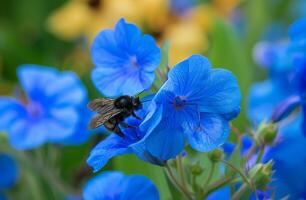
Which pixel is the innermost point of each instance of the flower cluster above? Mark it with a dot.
(174, 117)
(276, 100)
(196, 102)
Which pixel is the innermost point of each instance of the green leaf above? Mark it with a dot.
(228, 52)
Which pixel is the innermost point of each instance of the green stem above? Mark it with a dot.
(45, 171)
(197, 191)
(176, 183)
(181, 171)
(260, 153)
(217, 185)
(252, 151)
(211, 173)
(237, 195)
(162, 76)
(243, 176)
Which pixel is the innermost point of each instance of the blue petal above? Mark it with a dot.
(246, 143)
(188, 77)
(28, 134)
(10, 112)
(263, 98)
(273, 56)
(297, 30)
(122, 187)
(165, 141)
(33, 78)
(152, 119)
(214, 91)
(289, 162)
(126, 34)
(210, 134)
(285, 108)
(9, 172)
(105, 150)
(304, 120)
(81, 133)
(142, 153)
(139, 188)
(49, 86)
(105, 186)
(220, 93)
(223, 193)
(300, 75)
(3, 197)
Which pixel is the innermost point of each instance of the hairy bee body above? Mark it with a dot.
(113, 112)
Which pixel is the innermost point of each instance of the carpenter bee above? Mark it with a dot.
(112, 112)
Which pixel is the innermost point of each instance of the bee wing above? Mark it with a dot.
(102, 118)
(106, 110)
(101, 105)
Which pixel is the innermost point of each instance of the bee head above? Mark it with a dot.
(136, 103)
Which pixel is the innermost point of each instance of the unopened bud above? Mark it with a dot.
(196, 169)
(215, 155)
(268, 132)
(261, 175)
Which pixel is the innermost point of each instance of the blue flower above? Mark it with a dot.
(224, 193)
(116, 186)
(2, 197)
(50, 112)
(289, 162)
(9, 172)
(124, 60)
(264, 97)
(196, 102)
(115, 145)
(276, 98)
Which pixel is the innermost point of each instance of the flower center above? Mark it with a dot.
(134, 62)
(35, 110)
(179, 102)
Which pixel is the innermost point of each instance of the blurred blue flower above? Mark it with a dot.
(51, 112)
(223, 193)
(181, 7)
(116, 186)
(124, 60)
(9, 172)
(246, 143)
(115, 145)
(2, 197)
(289, 162)
(276, 98)
(265, 96)
(272, 55)
(196, 102)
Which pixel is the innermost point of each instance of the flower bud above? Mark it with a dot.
(196, 169)
(261, 175)
(268, 132)
(215, 155)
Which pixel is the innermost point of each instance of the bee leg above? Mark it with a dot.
(126, 125)
(118, 131)
(136, 116)
(113, 126)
